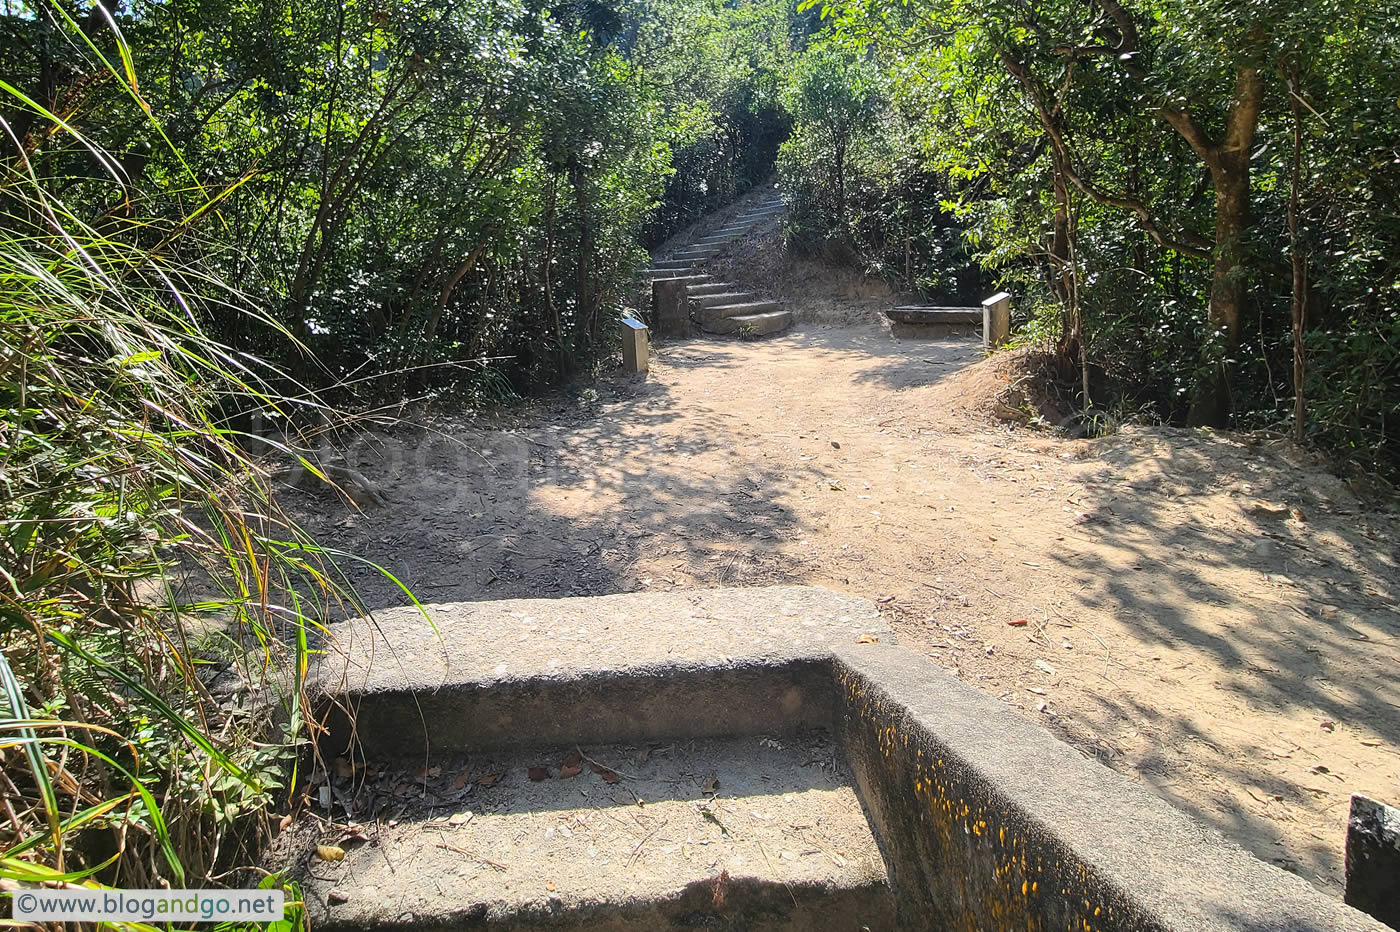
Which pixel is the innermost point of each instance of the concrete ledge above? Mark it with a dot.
(613, 668)
(988, 821)
(932, 323)
(936, 315)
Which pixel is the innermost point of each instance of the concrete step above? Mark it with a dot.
(686, 274)
(580, 778)
(714, 299)
(674, 264)
(756, 325)
(696, 252)
(717, 312)
(670, 275)
(607, 851)
(700, 289)
(706, 759)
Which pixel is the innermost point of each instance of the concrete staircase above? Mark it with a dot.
(722, 307)
(738, 760)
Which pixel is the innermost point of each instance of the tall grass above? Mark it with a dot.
(157, 609)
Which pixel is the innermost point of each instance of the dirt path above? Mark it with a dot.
(1244, 665)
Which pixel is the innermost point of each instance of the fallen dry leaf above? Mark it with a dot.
(566, 771)
(460, 818)
(1265, 509)
(343, 768)
(488, 779)
(538, 773)
(330, 853)
(1018, 622)
(867, 639)
(712, 784)
(287, 821)
(573, 759)
(462, 780)
(550, 886)
(609, 776)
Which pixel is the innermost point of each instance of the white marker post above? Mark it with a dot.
(635, 345)
(996, 320)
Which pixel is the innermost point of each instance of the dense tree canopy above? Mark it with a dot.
(410, 183)
(1199, 198)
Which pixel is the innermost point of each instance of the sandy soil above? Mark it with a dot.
(1145, 595)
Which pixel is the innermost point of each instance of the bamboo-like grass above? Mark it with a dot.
(141, 546)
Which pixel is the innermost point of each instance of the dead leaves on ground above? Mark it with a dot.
(572, 766)
(330, 853)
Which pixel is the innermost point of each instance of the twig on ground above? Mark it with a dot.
(475, 857)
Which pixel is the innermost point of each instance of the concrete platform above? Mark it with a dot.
(777, 815)
(913, 322)
(984, 821)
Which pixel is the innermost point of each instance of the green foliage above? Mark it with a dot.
(717, 69)
(141, 553)
(858, 188)
(834, 97)
(1128, 167)
(408, 185)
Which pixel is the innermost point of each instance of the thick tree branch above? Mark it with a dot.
(1190, 130)
(1066, 162)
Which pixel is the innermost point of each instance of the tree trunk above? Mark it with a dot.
(841, 188)
(587, 306)
(1299, 308)
(1229, 165)
(1061, 267)
(1211, 404)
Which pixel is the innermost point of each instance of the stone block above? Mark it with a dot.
(671, 305)
(1373, 859)
(996, 320)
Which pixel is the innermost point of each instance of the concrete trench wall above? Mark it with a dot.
(647, 704)
(988, 822)
(959, 857)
